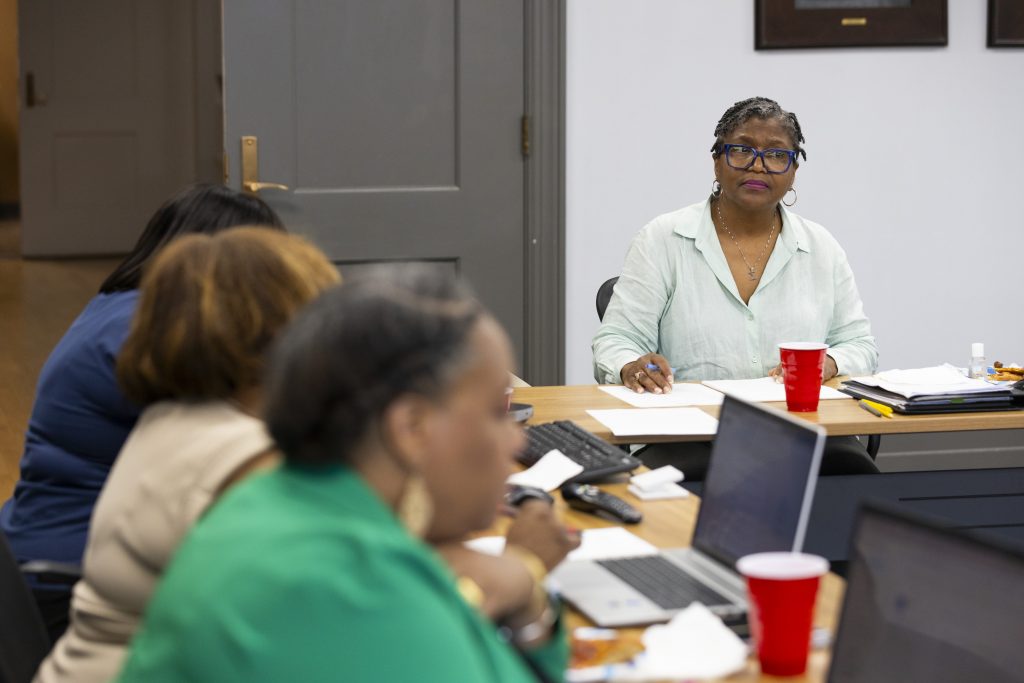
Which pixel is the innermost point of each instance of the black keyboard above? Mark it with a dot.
(599, 458)
(663, 582)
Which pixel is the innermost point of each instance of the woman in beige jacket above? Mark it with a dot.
(209, 308)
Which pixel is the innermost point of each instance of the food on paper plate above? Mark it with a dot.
(1006, 373)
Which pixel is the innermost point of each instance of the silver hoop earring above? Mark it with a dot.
(795, 197)
(716, 189)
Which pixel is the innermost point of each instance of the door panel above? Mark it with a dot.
(403, 132)
(396, 126)
(111, 132)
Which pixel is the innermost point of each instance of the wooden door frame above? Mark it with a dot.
(544, 192)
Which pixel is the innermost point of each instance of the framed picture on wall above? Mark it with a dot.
(782, 24)
(1006, 23)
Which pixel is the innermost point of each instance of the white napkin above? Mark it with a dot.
(695, 645)
(548, 473)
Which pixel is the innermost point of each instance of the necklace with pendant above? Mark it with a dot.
(751, 269)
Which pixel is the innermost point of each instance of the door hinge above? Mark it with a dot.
(525, 136)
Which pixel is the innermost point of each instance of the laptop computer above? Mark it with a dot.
(928, 603)
(757, 497)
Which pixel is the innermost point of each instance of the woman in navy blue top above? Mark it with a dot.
(80, 418)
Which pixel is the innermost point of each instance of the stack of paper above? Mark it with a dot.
(940, 389)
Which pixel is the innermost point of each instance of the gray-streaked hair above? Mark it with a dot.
(353, 351)
(757, 108)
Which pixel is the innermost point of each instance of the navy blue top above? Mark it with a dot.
(79, 422)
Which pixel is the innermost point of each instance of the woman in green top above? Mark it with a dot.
(387, 398)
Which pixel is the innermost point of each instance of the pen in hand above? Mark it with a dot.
(652, 366)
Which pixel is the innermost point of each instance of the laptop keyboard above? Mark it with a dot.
(599, 458)
(663, 582)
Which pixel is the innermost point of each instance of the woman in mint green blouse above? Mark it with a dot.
(710, 290)
(387, 399)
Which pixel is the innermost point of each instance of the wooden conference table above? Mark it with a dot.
(670, 524)
(839, 417)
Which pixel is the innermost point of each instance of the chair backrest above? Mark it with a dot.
(604, 295)
(22, 634)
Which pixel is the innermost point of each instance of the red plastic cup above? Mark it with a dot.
(803, 366)
(782, 588)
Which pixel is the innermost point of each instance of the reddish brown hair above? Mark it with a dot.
(209, 308)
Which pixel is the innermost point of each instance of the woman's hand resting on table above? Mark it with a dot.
(508, 584)
(638, 377)
(828, 371)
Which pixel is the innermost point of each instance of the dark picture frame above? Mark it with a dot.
(1006, 23)
(786, 24)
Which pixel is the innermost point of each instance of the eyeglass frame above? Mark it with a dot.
(790, 154)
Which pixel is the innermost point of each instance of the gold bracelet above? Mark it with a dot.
(470, 591)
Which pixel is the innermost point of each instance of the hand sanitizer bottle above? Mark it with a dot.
(977, 368)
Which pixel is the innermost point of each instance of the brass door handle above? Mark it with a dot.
(251, 167)
(256, 186)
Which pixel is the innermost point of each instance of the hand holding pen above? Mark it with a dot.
(650, 372)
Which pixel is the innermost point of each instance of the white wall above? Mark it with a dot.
(905, 165)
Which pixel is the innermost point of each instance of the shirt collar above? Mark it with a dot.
(794, 232)
(793, 235)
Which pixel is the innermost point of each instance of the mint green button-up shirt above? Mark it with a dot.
(677, 297)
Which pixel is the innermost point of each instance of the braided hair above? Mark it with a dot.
(760, 108)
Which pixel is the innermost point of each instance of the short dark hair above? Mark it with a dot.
(759, 108)
(392, 331)
(201, 208)
(209, 308)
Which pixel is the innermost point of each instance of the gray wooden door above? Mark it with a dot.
(108, 117)
(395, 126)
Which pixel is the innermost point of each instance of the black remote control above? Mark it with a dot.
(587, 498)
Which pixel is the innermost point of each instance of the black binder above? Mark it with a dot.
(967, 402)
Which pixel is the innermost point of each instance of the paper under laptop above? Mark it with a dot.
(757, 497)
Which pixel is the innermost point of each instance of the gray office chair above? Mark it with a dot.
(604, 295)
(24, 638)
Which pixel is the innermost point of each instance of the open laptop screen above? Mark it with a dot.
(925, 603)
(763, 467)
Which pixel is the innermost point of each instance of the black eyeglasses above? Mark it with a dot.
(742, 157)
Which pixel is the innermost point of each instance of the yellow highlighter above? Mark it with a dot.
(879, 409)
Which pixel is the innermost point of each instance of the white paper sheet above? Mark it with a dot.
(683, 394)
(663, 492)
(764, 389)
(595, 544)
(657, 421)
(548, 473)
(609, 543)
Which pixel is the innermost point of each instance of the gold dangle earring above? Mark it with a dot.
(415, 509)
